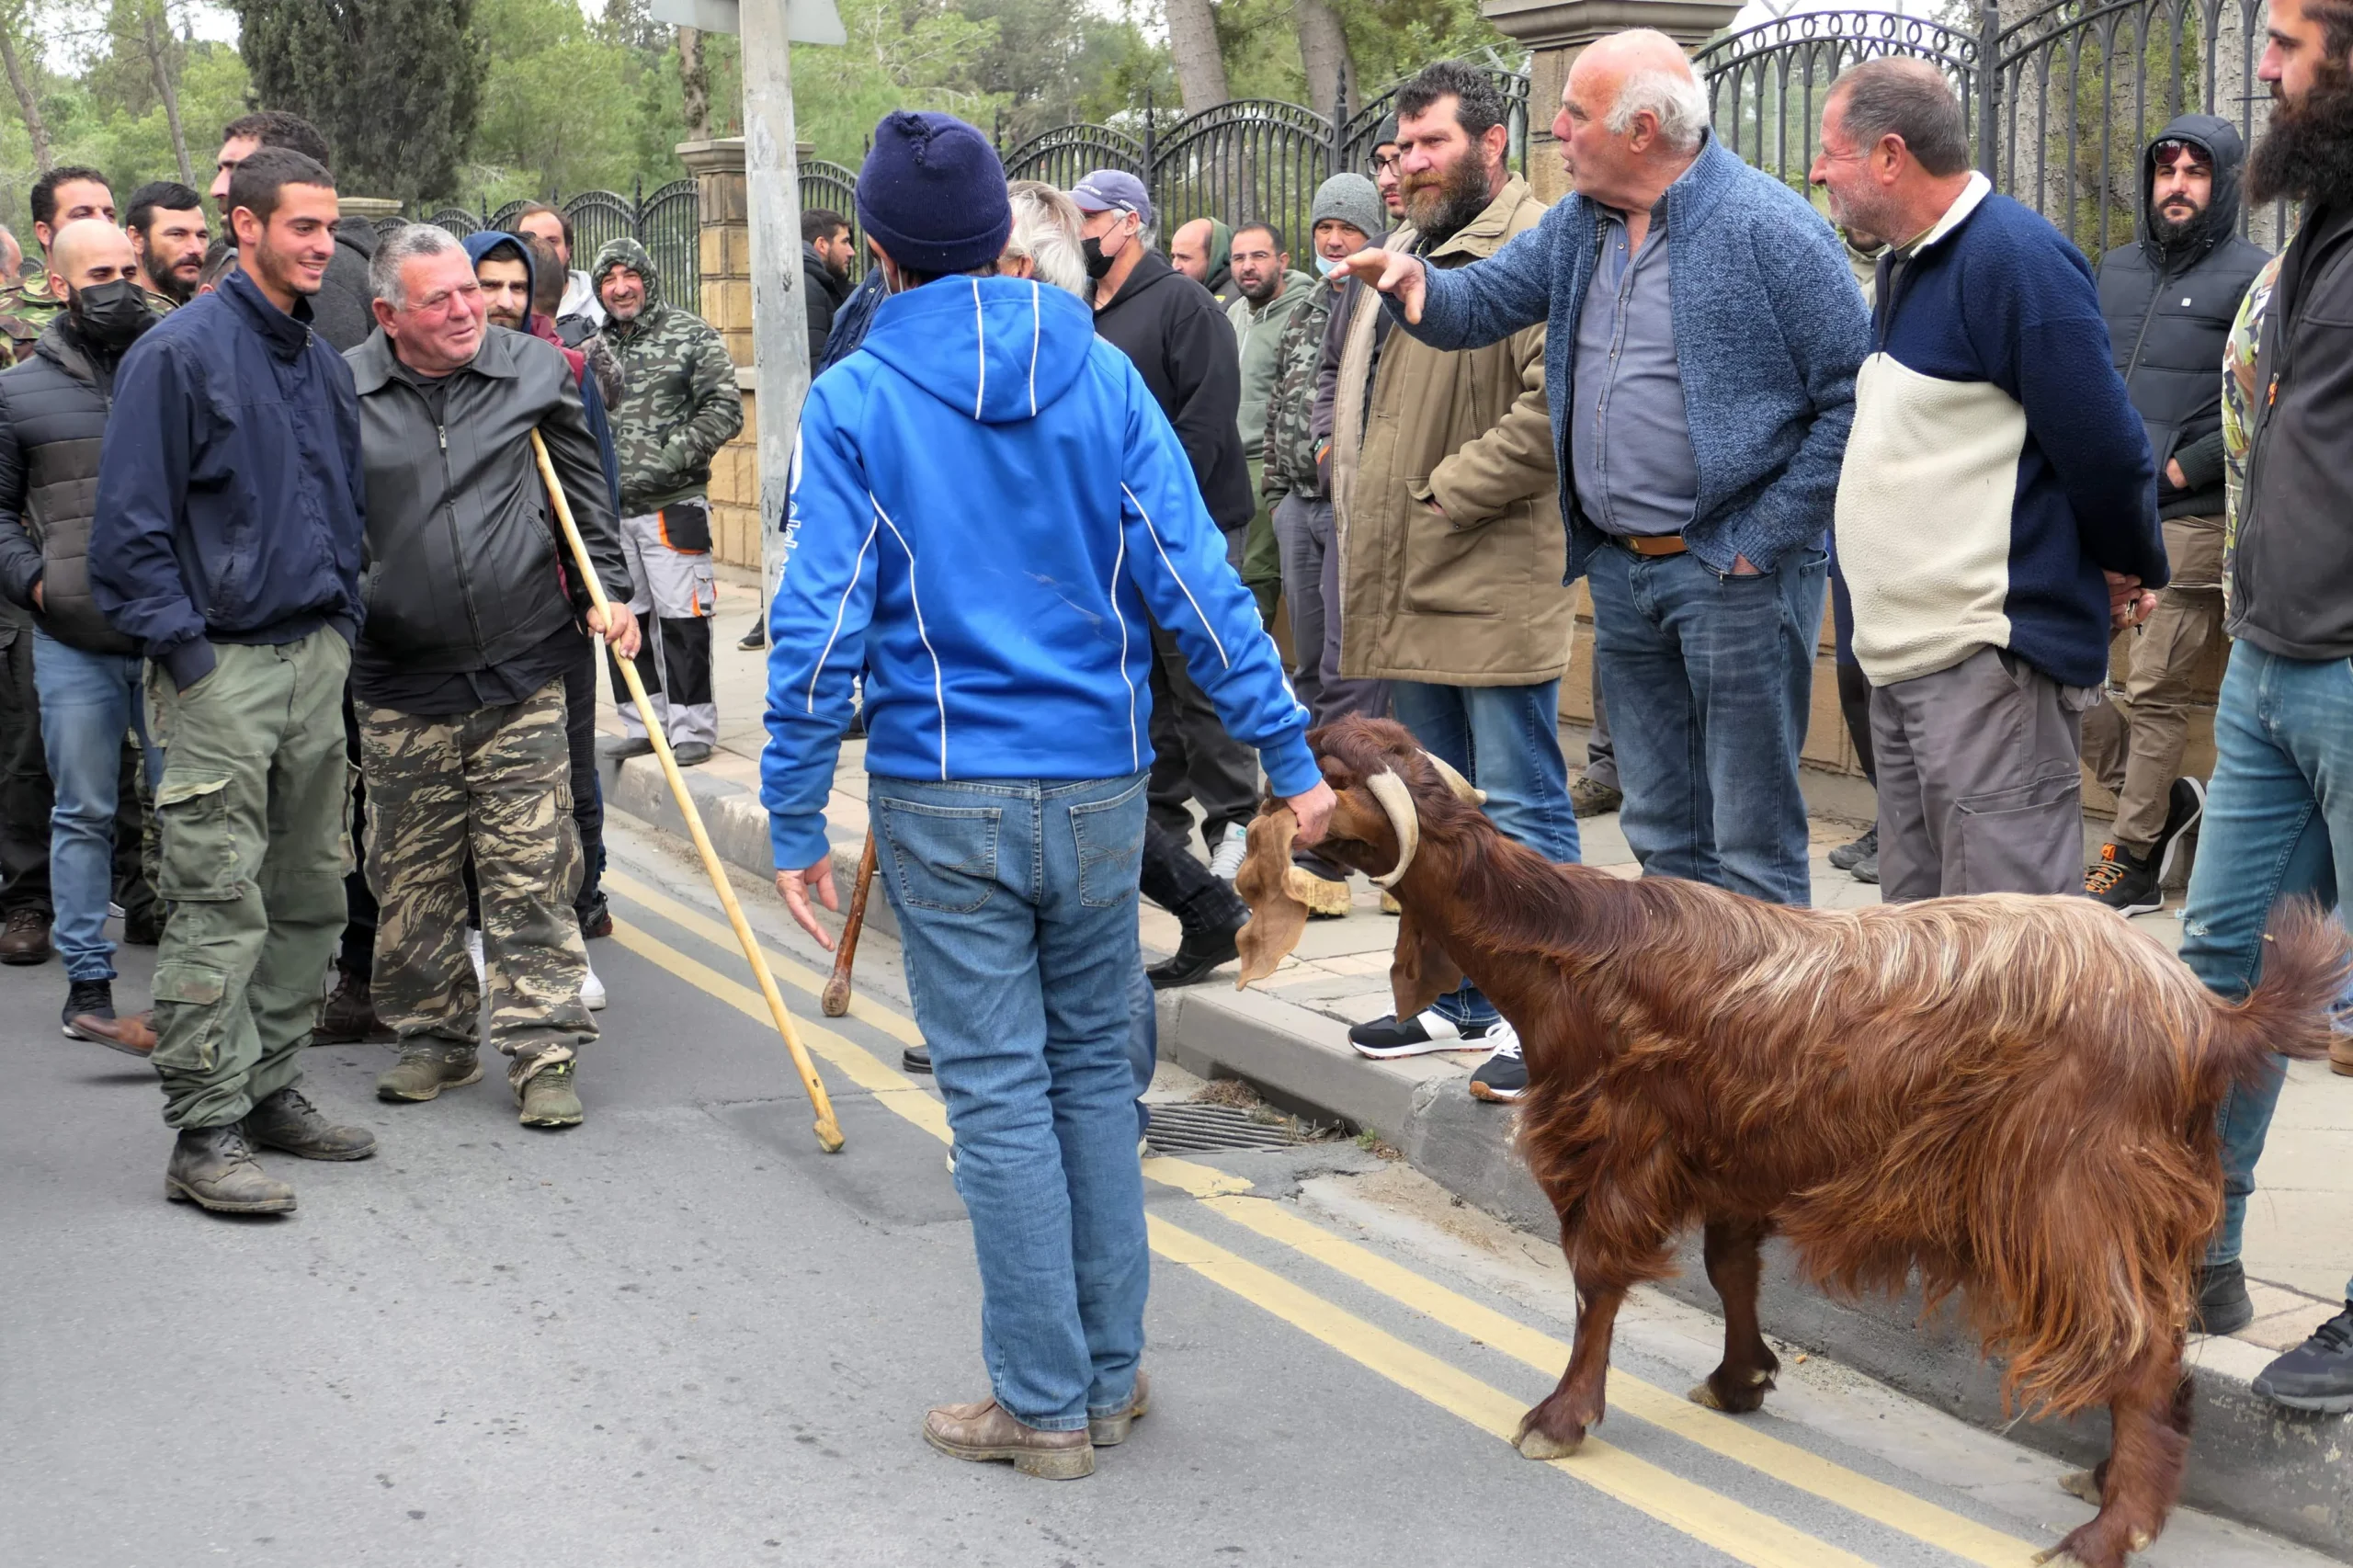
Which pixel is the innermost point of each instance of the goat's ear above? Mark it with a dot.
(1420, 973)
(1276, 917)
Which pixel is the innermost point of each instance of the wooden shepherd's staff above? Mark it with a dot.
(829, 1131)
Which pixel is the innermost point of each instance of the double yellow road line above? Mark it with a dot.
(1740, 1532)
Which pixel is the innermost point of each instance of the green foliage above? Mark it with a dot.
(1388, 40)
(394, 85)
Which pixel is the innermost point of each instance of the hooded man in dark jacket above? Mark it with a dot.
(2170, 298)
(1181, 344)
(825, 254)
(53, 419)
(226, 542)
(458, 677)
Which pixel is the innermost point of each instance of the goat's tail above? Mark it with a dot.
(2306, 966)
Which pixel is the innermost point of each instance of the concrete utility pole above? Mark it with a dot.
(779, 315)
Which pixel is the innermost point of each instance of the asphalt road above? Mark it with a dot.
(681, 1335)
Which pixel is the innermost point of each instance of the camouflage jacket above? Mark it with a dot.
(1290, 436)
(2238, 390)
(26, 312)
(678, 403)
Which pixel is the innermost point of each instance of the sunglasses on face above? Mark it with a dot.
(2168, 153)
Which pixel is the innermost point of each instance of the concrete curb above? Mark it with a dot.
(2249, 1460)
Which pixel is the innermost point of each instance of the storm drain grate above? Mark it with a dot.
(1191, 1127)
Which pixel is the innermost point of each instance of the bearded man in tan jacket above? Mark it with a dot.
(1448, 521)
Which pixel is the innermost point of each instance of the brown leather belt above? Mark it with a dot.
(1653, 544)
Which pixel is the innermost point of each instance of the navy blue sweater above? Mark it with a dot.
(1997, 466)
(1768, 327)
(230, 505)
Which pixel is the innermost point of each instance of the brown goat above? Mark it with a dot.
(2013, 1098)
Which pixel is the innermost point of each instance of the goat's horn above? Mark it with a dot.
(1397, 804)
(1463, 789)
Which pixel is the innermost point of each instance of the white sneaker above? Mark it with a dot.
(1502, 1078)
(474, 951)
(1227, 860)
(592, 991)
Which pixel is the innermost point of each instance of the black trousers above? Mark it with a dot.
(587, 791)
(1192, 756)
(26, 799)
(358, 958)
(1180, 884)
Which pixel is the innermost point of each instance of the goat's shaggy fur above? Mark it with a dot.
(2013, 1098)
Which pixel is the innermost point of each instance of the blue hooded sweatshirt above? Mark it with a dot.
(986, 504)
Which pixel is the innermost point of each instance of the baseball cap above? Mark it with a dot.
(1106, 191)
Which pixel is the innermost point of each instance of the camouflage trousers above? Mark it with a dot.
(496, 781)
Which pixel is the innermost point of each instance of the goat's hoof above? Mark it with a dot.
(1536, 1445)
(2082, 1484)
(1741, 1401)
(2057, 1557)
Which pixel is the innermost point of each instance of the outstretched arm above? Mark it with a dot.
(1462, 307)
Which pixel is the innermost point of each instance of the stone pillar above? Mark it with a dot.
(1556, 31)
(372, 208)
(725, 266)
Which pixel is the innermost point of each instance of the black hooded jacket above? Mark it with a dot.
(1185, 348)
(2169, 310)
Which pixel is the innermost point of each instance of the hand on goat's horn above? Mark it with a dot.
(1276, 918)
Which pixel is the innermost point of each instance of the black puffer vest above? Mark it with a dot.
(55, 403)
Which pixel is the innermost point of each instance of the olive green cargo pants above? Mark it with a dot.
(254, 818)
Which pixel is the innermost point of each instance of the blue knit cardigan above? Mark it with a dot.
(1768, 330)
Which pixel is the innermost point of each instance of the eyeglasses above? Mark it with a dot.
(2167, 153)
(1388, 166)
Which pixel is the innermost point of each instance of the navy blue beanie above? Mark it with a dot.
(932, 194)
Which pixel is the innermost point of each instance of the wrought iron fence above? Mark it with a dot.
(829, 187)
(667, 222)
(2061, 96)
(1252, 159)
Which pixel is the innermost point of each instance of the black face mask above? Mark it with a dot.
(111, 315)
(1098, 266)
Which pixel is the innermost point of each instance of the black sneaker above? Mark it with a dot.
(1197, 956)
(2317, 1375)
(2223, 1306)
(87, 998)
(595, 918)
(916, 1058)
(1420, 1035)
(756, 639)
(2124, 881)
(2184, 805)
(1847, 856)
(1502, 1078)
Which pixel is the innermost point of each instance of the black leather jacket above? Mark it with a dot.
(463, 568)
(2169, 310)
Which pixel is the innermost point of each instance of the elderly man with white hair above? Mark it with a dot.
(1703, 337)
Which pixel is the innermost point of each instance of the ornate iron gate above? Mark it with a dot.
(829, 187)
(2074, 90)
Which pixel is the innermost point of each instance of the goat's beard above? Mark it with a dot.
(2306, 153)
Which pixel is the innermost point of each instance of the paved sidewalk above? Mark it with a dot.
(1288, 1034)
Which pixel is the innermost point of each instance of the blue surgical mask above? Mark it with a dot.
(1324, 266)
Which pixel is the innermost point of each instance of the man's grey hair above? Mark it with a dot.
(1899, 96)
(408, 241)
(1045, 231)
(1674, 99)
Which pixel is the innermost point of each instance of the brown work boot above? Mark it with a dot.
(544, 1095)
(349, 1015)
(26, 938)
(427, 1067)
(89, 1014)
(1110, 1431)
(287, 1121)
(984, 1431)
(213, 1166)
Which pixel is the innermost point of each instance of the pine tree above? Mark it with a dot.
(394, 85)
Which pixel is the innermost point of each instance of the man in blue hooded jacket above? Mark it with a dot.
(987, 503)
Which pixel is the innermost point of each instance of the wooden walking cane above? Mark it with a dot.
(836, 997)
(829, 1131)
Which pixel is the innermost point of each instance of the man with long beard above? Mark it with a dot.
(2278, 819)
(1449, 569)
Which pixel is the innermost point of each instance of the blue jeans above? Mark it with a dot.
(87, 702)
(1017, 907)
(1710, 683)
(1507, 740)
(2279, 823)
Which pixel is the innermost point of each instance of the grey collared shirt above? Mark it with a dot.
(1629, 444)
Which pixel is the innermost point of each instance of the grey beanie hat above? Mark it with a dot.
(1352, 199)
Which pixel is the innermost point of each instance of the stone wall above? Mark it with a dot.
(726, 267)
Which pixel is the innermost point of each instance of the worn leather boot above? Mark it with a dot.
(1110, 1431)
(26, 938)
(288, 1122)
(427, 1067)
(213, 1167)
(349, 1015)
(545, 1094)
(987, 1431)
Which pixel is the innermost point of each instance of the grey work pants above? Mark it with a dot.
(1980, 780)
(1312, 587)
